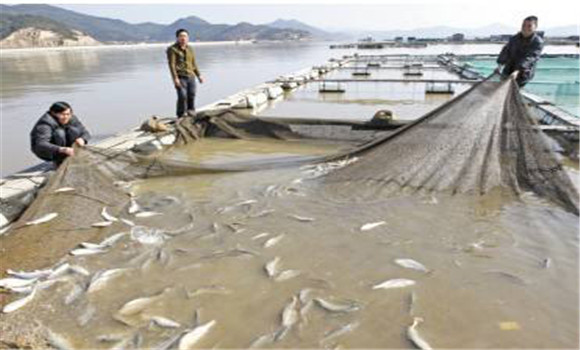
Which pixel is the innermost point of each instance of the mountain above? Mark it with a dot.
(563, 31)
(202, 30)
(114, 30)
(297, 25)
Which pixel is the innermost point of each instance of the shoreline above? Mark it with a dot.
(119, 46)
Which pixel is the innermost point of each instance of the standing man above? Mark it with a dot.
(56, 132)
(184, 71)
(522, 52)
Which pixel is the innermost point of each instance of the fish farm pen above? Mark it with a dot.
(371, 201)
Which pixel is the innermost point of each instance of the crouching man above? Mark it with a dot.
(55, 133)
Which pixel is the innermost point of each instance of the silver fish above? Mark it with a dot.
(58, 341)
(189, 340)
(272, 267)
(414, 336)
(260, 235)
(29, 274)
(301, 218)
(164, 322)
(128, 222)
(273, 241)
(262, 213)
(338, 306)
(262, 341)
(61, 270)
(102, 224)
(74, 294)
(86, 251)
(64, 189)
(42, 219)
(147, 214)
(208, 290)
(79, 270)
(15, 305)
(137, 305)
(372, 225)
(133, 207)
(286, 275)
(394, 283)
(290, 313)
(89, 245)
(110, 241)
(107, 216)
(12, 282)
(101, 279)
(411, 264)
(546, 263)
(339, 331)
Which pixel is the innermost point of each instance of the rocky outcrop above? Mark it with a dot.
(34, 37)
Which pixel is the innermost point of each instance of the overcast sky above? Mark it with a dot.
(393, 15)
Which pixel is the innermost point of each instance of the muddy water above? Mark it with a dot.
(487, 285)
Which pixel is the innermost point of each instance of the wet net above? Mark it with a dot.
(255, 244)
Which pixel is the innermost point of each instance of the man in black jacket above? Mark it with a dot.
(522, 52)
(55, 133)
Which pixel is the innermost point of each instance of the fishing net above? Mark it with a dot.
(182, 250)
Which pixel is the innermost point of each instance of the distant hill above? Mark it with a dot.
(114, 30)
(297, 25)
(9, 23)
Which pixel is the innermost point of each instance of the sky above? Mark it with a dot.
(341, 15)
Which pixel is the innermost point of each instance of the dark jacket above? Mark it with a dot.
(521, 54)
(48, 135)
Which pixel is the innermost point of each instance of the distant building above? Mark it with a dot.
(457, 37)
(411, 38)
(399, 39)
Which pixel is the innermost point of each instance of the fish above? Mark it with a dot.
(135, 306)
(261, 341)
(262, 213)
(29, 274)
(164, 322)
(110, 241)
(394, 283)
(337, 332)
(42, 219)
(208, 290)
(273, 241)
(74, 294)
(338, 306)
(64, 189)
(13, 282)
(58, 341)
(86, 316)
(286, 275)
(102, 224)
(372, 225)
(128, 222)
(272, 267)
(107, 216)
(302, 218)
(111, 338)
(412, 264)
(147, 214)
(290, 313)
(79, 270)
(189, 340)
(260, 235)
(89, 245)
(133, 207)
(101, 279)
(414, 336)
(85, 251)
(17, 304)
(59, 271)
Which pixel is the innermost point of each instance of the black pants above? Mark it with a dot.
(185, 95)
(65, 137)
